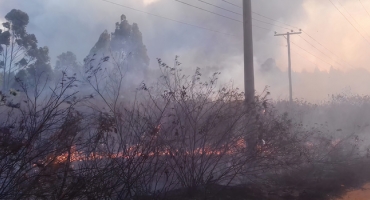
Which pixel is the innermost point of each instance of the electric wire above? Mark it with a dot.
(205, 10)
(364, 8)
(319, 50)
(220, 7)
(290, 26)
(300, 36)
(338, 57)
(262, 15)
(352, 17)
(304, 57)
(231, 3)
(173, 20)
(218, 32)
(209, 11)
(181, 22)
(310, 53)
(275, 20)
(349, 21)
(271, 24)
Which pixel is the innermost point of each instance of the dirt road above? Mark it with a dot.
(363, 194)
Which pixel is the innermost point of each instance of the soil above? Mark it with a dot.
(361, 194)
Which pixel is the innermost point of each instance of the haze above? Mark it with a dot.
(61, 24)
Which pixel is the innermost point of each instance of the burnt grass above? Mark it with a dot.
(327, 183)
(249, 192)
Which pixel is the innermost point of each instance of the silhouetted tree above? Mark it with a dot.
(125, 44)
(19, 51)
(66, 60)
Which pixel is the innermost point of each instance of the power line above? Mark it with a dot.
(173, 20)
(302, 37)
(349, 21)
(299, 36)
(211, 30)
(325, 48)
(230, 17)
(181, 22)
(364, 8)
(352, 17)
(304, 31)
(305, 57)
(319, 50)
(209, 11)
(221, 8)
(231, 4)
(262, 28)
(270, 24)
(262, 15)
(311, 53)
(280, 45)
(306, 34)
(274, 20)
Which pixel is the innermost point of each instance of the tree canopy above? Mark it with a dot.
(19, 54)
(126, 45)
(66, 60)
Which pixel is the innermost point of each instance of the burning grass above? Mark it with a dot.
(183, 138)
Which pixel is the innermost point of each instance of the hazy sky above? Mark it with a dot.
(75, 25)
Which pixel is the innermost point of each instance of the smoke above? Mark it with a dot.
(148, 2)
(76, 25)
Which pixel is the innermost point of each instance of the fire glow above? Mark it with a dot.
(135, 152)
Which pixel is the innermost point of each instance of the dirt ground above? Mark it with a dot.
(361, 194)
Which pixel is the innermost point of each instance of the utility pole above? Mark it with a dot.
(248, 51)
(289, 61)
(251, 140)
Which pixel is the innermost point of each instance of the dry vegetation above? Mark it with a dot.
(180, 138)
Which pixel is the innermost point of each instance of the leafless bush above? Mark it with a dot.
(337, 148)
(182, 134)
(35, 137)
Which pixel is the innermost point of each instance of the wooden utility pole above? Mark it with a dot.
(289, 61)
(248, 51)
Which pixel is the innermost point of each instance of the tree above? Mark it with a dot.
(66, 60)
(124, 45)
(67, 63)
(19, 51)
(128, 38)
(37, 72)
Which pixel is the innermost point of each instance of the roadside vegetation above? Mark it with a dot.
(84, 131)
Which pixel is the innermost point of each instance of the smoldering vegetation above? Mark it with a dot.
(179, 137)
(96, 131)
